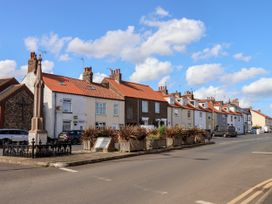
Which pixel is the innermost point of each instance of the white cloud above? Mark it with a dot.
(98, 77)
(245, 102)
(151, 69)
(47, 43)
(7, 68)
(113, 44)
(31, 43)
(171, 36)
(161, 12)
(218, 93)
(53, 43)
(164, 80)
(64, 57)
(243, 74)
(201, 74)
(261, 87)
(215, 51)
(47, 66)
(242, 57)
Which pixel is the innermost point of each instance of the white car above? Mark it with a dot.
(13, 135)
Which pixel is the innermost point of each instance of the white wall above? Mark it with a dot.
(83, 110)
(200, 122)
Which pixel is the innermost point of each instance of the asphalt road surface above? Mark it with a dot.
(205, 175)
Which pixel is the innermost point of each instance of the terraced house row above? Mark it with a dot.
(73, 104)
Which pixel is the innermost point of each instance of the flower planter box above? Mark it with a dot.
(189, 140)
(174, 141)
(156, 143)
(132, 145)
(87, 145)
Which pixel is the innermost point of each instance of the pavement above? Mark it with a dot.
(234, 170)
(81, 157)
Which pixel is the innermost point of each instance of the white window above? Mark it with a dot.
(157, 107)
(66, 125)
(67, 105)
(145, 121)
(200, 114)
(100, 108)
(176, 111)
(144, 106)
(115, 109)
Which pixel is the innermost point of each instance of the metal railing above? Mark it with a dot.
(37, 150)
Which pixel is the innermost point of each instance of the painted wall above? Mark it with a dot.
(83, 112)
(200, 120)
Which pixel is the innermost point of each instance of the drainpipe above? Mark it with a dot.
(55, 114)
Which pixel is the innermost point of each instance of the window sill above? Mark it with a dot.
(68, 112)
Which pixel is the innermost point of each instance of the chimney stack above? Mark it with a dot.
(116, 75)
(163, 89)
(88, 75)
(32, 63)
(190, 94)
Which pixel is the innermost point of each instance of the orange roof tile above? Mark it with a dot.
(69, 85)
(266, 116)
(135, 90)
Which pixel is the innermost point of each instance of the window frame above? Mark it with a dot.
(67, 102)
(145, 106)
(100, 108)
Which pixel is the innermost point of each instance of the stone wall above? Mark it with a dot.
(15, 115)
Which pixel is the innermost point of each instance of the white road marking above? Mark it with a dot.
(203, 202)
(268, 153)
(68, 170)
(102, 178)
(151, 190)
(251, 190)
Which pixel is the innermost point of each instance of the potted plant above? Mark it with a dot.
(174, 136)
(89, 137)
(156, 138)
(132, 138)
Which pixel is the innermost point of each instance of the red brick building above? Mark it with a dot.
(143, 105)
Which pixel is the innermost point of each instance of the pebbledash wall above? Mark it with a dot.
(83, 110)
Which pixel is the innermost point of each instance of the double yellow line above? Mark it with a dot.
(251, 194)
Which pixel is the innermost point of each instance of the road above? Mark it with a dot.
(208, 174)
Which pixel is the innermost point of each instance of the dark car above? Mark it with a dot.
(228, 132)
(73, 136)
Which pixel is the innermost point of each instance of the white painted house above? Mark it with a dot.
(74, 104)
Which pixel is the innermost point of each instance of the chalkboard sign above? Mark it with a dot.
(102, 143)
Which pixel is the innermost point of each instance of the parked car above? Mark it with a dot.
(13, 135)
(73, 136)
(228, 132)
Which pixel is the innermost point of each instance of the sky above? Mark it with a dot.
(213, 48)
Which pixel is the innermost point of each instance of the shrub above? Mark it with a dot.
(90, 134)
(132, 132)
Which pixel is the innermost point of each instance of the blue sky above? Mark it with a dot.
(214, 48)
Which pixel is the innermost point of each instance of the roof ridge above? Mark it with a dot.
(130, 82)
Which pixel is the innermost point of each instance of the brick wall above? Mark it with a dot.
(13, 117)
(134, 114)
